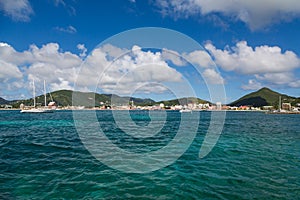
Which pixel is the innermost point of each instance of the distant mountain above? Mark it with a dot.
(264, 97)
(65, 98)
(183, 101)
(88, 99)
(3, 101)
(124, 100)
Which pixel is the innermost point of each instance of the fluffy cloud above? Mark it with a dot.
(9, 71)
(122, 71)
(62, 84)
(49, 53)
(246, 60)
(126, 71)
(18, 10)
(83, 50)
(268, 65)
(200, 58)
(173, 56)
(283, 79)
(213, 77)
(92, 69)
(10, 78)
(276, 78)
(113, 52)
(115, 70)
(252, 85)
(46, 63)
(10, 55)
(255, 13)
(295, 84)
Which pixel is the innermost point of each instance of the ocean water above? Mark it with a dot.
(257, 156)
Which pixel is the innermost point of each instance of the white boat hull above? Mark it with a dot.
(37, 110)
(185, 111)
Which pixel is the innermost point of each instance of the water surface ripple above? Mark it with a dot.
(256, 157)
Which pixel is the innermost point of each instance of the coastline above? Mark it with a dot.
(193, 110)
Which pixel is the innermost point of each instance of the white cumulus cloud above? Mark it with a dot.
(268, 65)
(83, 50)
(40, 63)
(256, 14)
(213, 77)
(200, 58)
(122, 71)
(276, 78)
(112, 51)
(283, 79)
(295, 84)
(173, 56)
(252, 85)
(115, 69)
(119, 71)
(247, 60)
(9, 71)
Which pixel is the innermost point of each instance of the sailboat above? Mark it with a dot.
(34, 109)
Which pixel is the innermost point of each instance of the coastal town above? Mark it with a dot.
(264, 100)
(192, 107)
(285, 107)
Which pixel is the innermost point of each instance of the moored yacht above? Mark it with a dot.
(34, 109)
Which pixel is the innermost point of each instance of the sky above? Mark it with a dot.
(197, 48)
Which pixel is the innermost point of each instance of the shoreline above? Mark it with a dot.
(96, 109)
(196, 110)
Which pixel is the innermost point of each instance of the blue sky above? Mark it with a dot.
(252, 44)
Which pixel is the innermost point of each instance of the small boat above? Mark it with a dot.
(34, 109)
(185, 111)
(37, 110)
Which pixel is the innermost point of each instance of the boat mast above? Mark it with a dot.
(279, 104)
(33, 87)
(45, 93)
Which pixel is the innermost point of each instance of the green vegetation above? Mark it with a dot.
(88, 99)
(183, 101)
(3, 101)
(264, 97)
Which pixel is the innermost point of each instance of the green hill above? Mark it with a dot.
(91, 99)
(68, 98)
(183, 101)
(88, 99)
(3, 101)
(61, 97)
(264, 97)
(125, 100)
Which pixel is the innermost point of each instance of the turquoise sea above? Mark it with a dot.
(256, 157)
